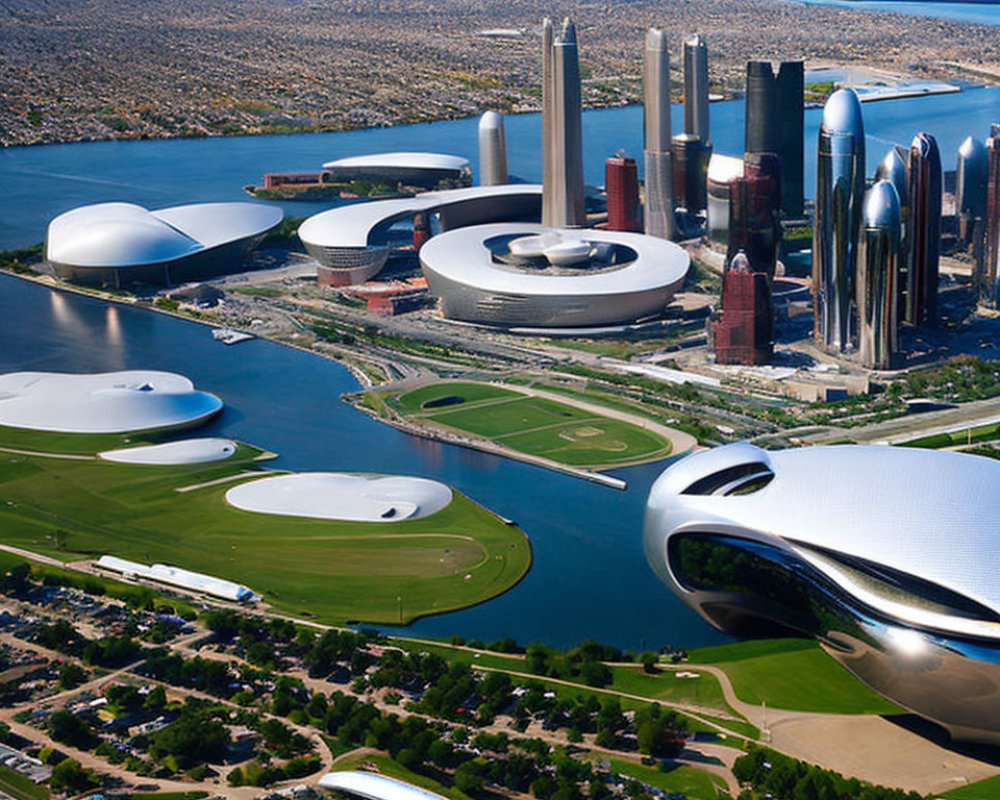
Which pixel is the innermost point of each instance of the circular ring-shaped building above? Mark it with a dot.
(485, 274)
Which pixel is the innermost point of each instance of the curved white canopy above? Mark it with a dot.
(402, 161)
(373, 786)
(187, 451)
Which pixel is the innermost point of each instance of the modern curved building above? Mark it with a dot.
(373, 786)
(350, 242)
(525, 275)
(886, 555)
(878, 277)
(116, 244)
(426, 170)
(109, 402)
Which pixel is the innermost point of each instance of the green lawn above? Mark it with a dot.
(695, 783)
(336, 571)
(667, 687)
(532, 425)
(794, 674)
(19, 787)
(988, 789)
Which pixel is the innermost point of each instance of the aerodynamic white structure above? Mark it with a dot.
(886, 555)
(342, 496)
(175, 576)
(349, 242)
(372, 786)
(109, 402)
(117, 244)
(526, 275)
(412, 169)
(186, 451)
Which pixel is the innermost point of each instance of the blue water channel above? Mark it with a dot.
(589, 578)
(980, 13)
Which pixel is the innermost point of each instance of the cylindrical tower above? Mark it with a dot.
(840, 185)
(878, 271)
(923, 180)
(970, 189)
(791, 133)
(659, 212)
(696, 87)
(762, 128)
(492, 150)
(621, 184)
(992, 245)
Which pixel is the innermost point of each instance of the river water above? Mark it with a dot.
(589, 578)
(980, 13)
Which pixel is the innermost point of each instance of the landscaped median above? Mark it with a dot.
(61, 501)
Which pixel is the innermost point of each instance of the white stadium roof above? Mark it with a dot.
(175, 576)
(337, 495)
(187, 451)
(124, 234)
(372, 786)
(350, 226)
(429, 161)
(110, 402)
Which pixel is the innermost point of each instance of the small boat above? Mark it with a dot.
(229, 336)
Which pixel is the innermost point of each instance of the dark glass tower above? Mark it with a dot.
(840, 185)
(696, 87)
(923, 179)
(754, 225)
(989, 284)
(878, 273)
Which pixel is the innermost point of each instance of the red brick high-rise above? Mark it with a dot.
(743, 333)
(621, 182)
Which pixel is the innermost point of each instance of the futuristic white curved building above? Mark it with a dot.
(185, 451)
(350, 242)
(109, 402)
(372, 786)
(411, 169)
(338, 495)
(886, 555)
(115, 244)
(175, 576)
(518, 274)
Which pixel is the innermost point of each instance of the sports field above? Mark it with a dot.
(533, 425)
(73, 508)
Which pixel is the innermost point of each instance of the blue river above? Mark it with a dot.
(979, 13)
(589, 578)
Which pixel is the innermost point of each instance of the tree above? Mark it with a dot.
(156, 699)
(69, 777)
(69, 729)
(649, 660)
(71, 675)
(467, 778)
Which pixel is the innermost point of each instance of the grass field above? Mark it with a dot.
(694, 783)
(668, 688)
(386, 766)
(988, 789)
(19, 787)
(794, 674)
(532, 425)
(335, 571)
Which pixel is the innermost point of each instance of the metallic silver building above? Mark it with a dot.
(923, 180)
(659, 211)
(970, 189)
(884, 554)
(492, 150)
(562, 136)
(696, 87)
(878, 274)
(840, 185)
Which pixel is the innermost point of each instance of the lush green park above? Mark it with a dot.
(694, 783)
(988, 789)
(794, 674)
(533, 425)
(73, 508)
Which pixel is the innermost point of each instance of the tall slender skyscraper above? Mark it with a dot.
(892, 168)
(659, 213)
(840, 186)
(774, 124)
(492, 150)
(989, 285)
(878, 272)
(696, 87)
(562, 138)
(970, 190)
(923, 181)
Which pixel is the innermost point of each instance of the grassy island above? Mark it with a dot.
(58, 499)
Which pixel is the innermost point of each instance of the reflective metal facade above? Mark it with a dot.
(659, 211)
(840, 183)
(562, 136)
(878, 273)
(923, 178)
(990, 282)
(884, 554)
(492, 150)
(696, 87)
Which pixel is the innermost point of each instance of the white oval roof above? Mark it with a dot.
(402, 161)
(111, 402)
(338, 495)
(188, 451)
(931, 514)
(124, 234)
(373, 786)
(350, 226)
(462, 256)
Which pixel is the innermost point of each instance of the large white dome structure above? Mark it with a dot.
(116, 244)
